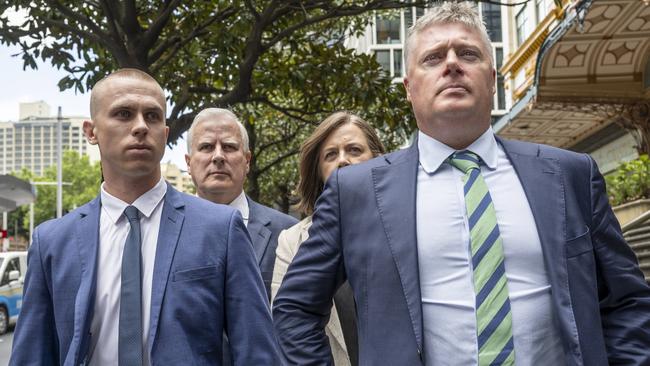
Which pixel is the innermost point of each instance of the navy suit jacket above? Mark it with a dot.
(264, 226)
(205, 281)
(364, 229)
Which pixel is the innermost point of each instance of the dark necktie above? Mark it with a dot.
(130, 326)
(493, 316)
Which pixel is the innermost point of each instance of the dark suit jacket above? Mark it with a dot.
(205, 280)
(264, 226)
(364, 230)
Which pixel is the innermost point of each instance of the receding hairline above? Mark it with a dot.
(126, 73)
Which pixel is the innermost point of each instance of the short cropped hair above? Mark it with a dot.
(465, 13)
(128, 73)
(216, 113)
(310, 185)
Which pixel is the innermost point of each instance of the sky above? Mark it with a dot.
(19, 86)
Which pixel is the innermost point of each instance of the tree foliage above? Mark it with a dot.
(285, 60)
(81, 178)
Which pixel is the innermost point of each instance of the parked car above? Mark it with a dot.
(13, 266)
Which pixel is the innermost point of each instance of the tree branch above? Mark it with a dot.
(151, 35)
(129, 17)
(79, 18)
(284, 138)
(276, 161)
(179, 42)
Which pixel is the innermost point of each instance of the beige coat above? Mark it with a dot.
(288, 243)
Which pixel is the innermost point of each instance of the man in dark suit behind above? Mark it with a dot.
(466, 249)
(218, 160)
(142, 275)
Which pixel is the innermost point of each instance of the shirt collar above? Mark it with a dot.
(241, 204)
(433, 152)
(146, 203)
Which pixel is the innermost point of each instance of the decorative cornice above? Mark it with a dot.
(528, 50)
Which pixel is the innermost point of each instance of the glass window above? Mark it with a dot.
(492, 18)
(383, 58)
(397, 63)
(387, 28)
(408, 20)
(521, 19)
(542, 8)
(13, 265)
(501, 92)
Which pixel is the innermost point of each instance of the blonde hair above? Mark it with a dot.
(464, 12)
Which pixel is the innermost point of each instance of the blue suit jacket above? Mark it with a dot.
(205, 280)
(264, 226)
(364, 229)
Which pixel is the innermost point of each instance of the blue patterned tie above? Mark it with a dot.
(493, 316)
(130, 332)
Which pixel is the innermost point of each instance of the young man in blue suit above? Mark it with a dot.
(218, 160)
(466, 249)
(142, 275)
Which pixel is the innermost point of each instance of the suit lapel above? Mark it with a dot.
(395, 193)
(171, 222)
(87, 237)
(259, 233)
(542, 182)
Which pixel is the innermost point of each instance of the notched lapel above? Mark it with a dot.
(171, 222)
(546, 197)
(257, 228)
(395, 193)
(87, 238)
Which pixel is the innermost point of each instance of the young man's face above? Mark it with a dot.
(129, 126)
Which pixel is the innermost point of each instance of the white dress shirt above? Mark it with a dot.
(113, 230)
(445, 266)
(241, 204)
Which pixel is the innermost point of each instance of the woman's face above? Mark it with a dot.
(346, 145)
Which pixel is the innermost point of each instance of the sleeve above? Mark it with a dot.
(623, 293)
(302, 306)
(248, 319)
(284, 254)
(35, 340)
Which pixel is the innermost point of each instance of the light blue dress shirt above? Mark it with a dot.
(445, 268)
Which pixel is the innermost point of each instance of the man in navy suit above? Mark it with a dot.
(143, 274)
(466, 249)
(218, 160)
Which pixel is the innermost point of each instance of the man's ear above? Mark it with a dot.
(187, 161)
(406, 86)
(89, 132)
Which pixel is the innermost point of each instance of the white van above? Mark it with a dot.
(13, 266)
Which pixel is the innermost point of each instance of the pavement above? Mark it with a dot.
(5, 347)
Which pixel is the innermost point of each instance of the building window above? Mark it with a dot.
(397, 63)
(521, 19)
(542, 7)
(387, 29)
(383, 58)
(390, 30)
(492, 17)
(501, 92)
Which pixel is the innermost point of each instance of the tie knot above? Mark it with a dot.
(132, 213)
(464, 160)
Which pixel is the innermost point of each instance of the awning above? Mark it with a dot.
(14, 193)
(589, 70)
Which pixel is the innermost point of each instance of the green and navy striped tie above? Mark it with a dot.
(493, 315)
